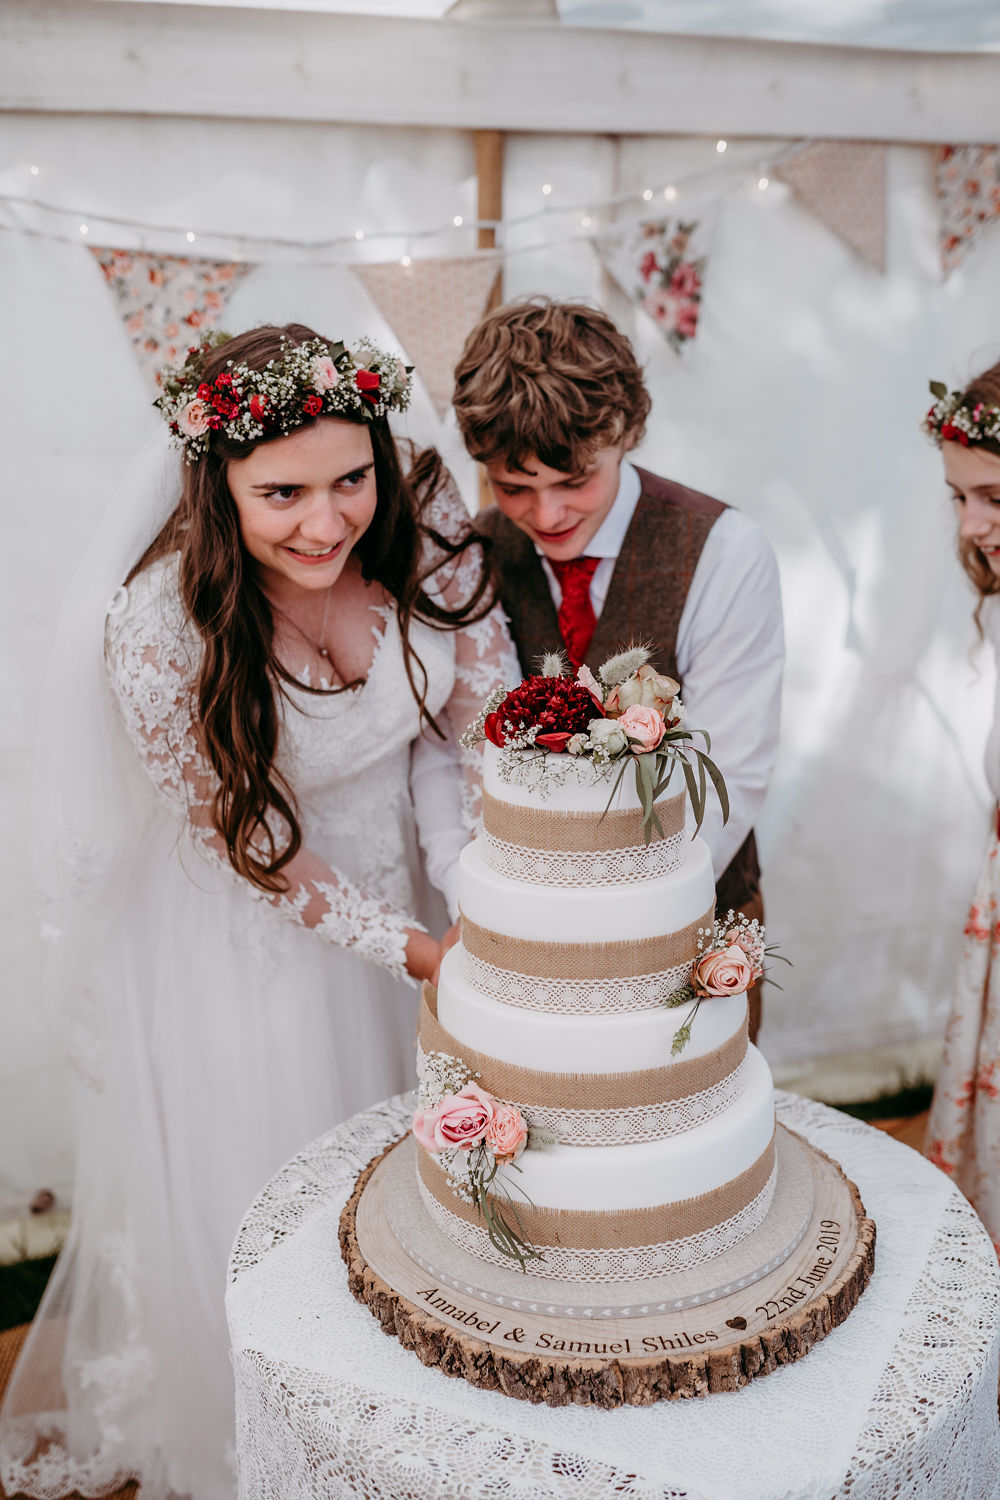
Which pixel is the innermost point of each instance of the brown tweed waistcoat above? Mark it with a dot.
(648, 588)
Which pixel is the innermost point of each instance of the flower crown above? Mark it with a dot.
(950, 419)
(314, 379)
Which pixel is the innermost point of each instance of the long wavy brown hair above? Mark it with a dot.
(240, 678)
(985, 388)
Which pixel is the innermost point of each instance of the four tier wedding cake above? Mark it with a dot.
(582, 1112)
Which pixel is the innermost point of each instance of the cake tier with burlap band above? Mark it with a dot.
(548, 846)
(580, 978)
(620, 1108)
(611, 1246)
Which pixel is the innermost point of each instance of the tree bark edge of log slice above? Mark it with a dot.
(606, 1383)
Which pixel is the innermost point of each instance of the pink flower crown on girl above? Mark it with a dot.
(314, 379)
(951, 420)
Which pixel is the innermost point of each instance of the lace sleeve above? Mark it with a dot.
(484, 652)
(151, 656)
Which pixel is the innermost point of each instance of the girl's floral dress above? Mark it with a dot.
(963, 1135)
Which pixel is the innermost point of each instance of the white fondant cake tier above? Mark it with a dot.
(602, 1178)
(617, 1043)
(601, 913)
(575, 932)
(571, 785)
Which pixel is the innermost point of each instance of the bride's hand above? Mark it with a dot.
(424, 953)
(449, 940)
(423, 956)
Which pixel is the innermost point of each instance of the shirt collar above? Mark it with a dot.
(609, 536)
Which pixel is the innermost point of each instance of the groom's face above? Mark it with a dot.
(560, 512)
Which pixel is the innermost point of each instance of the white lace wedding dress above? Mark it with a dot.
(226, 1030)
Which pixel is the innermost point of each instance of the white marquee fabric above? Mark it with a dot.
(797, 402)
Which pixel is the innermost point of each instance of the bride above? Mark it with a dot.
(234, 809)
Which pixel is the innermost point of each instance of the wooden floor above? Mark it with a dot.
(910, 1131)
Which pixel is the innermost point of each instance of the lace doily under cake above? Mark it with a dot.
(900, 1405)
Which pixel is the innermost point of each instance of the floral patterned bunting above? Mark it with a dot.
(968, 189)
(431, 306)
(660, 264)
(167, 302)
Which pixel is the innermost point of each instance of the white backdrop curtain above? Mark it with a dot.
(798, 402)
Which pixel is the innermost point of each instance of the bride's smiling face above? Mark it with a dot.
(304, 501)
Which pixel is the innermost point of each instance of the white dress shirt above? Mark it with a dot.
(730, 654)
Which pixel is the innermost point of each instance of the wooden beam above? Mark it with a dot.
(489, 205)
(120, 57)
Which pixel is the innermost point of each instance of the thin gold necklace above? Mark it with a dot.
(317, 645)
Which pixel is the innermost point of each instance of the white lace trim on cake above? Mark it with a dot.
(567, 868)
(628, 1127)
(613, 1264)
(573, 997)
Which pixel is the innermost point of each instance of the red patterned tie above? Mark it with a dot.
(576, 613)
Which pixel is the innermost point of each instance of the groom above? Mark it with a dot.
(593, 553)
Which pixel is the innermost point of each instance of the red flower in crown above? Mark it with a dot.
(313, 405)
(367, 382)
(258, 408)
(951, 433)
(558, 707)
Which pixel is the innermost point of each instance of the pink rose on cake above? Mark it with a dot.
(458, 1119)
(722, 971)
(644, 726)
(507, 1133)
(644, 689)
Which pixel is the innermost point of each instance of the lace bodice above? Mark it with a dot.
(346, 756)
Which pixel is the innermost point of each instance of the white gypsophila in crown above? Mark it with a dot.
(310, 380)
(952, 419)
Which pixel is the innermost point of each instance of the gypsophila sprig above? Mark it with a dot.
(953, 419)
(476, 732)
(314, 379)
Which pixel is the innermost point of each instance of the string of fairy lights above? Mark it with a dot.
(32, 213)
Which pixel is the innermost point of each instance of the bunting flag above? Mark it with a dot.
(431, 306)
(967, 179)
(843, 183)
(660, 265)
(167, 302)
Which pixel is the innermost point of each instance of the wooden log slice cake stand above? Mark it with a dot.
(739, 1316)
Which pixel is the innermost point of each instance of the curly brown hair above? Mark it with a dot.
(548, 380)
(985, 388)
(240, 678)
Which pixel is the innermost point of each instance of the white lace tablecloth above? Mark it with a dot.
(901, 1401)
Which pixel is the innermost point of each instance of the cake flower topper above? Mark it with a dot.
(731, 957)
(628, 715)
(473, 1135)
(314, 379)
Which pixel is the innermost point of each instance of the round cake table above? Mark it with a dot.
(901, 1401)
